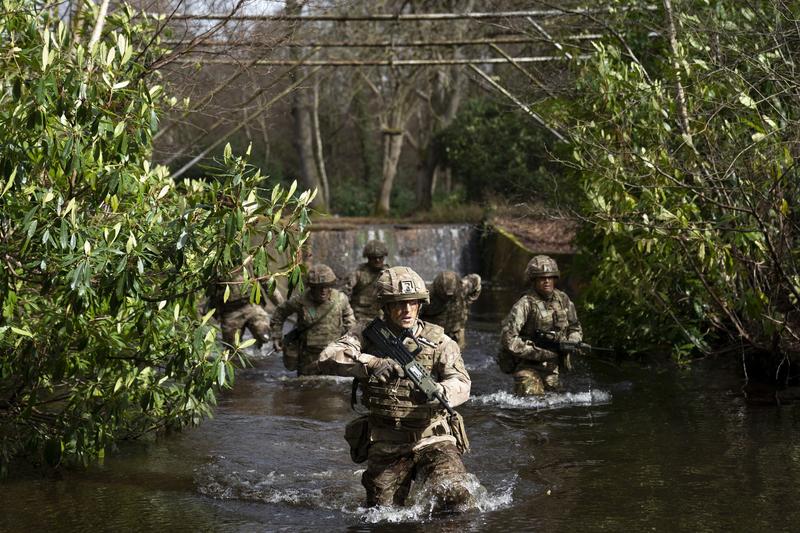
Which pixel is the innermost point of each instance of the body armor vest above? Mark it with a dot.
(325, 320)
(395, 404)
(364, 297)
(546, 315)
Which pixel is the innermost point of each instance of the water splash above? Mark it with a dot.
(550, 400)
(223, 479)
(423, 502)
(482, 364)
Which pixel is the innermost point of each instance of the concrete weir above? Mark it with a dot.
(427, 248)
(498, 249)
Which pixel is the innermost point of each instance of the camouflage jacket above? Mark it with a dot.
(452, 313)
(319, 323)
(363, 291)
(395, 405)
(533, 313)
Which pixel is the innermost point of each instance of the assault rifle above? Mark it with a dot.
(549, 341)
(387, 343)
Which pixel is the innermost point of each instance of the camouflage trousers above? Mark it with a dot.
(250, 316)
(530, 380)
(391, 469)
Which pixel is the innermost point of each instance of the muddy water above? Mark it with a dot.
(624, 448)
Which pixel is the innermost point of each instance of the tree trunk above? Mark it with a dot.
(303, 131)
(392, 147)
(323, 175)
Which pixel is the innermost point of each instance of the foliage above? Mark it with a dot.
(353, 198)
(496, 151)
(694, 220)
(104, 257)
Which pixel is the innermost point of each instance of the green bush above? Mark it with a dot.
(105, 257)
(693, 201)
(500, 151)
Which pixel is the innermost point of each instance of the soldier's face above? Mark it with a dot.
(320, 293)
(403, 314)
(375, 261)
(545, 286)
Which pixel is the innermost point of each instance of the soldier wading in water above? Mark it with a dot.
(323, 315)
(405, 437)
(451, 296)
(545, 313)
(361, 284)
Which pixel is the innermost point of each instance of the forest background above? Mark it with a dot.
(668, 129)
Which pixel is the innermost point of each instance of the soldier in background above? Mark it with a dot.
(542, 310)
(360, 285)
(451, 297)
(405, 437)
(323, 315)
(237, 313)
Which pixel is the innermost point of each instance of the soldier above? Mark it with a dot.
(451, 297)
(323, 315)
(361, 284)
(238, 313)
(543, 311)
(406, 437)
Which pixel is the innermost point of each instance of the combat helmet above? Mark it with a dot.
(400, 284)
(375, 248)
(320, 274)
(446, 283)
(541, 266)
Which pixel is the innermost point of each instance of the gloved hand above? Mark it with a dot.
(534, 353)
(384, 369)
(419, 397)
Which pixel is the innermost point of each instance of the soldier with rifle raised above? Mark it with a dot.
(540, 333)
(411, 376)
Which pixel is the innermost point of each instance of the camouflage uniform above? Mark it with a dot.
(409, 437)
(319, 322)
(238, 313)
(536, 369)
(450, 300)
(360, 286)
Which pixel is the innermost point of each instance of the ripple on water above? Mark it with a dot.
(549, 401)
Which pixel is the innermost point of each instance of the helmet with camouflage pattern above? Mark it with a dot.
(446, 283)
(541, 266)
(375, 248)
(400, 284)
(320, 274)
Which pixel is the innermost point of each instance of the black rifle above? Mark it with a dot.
(549, 340)
(390, 345)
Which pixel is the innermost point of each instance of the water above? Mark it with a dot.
(627, 447)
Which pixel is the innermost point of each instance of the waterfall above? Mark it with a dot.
(427, 248)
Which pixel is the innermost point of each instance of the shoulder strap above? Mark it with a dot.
(334, 305)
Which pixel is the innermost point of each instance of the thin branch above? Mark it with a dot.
(380, 62)
(539, 120)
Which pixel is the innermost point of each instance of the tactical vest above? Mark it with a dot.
(325, 320)
(364, 297)
(546, 315)
(392, 405)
